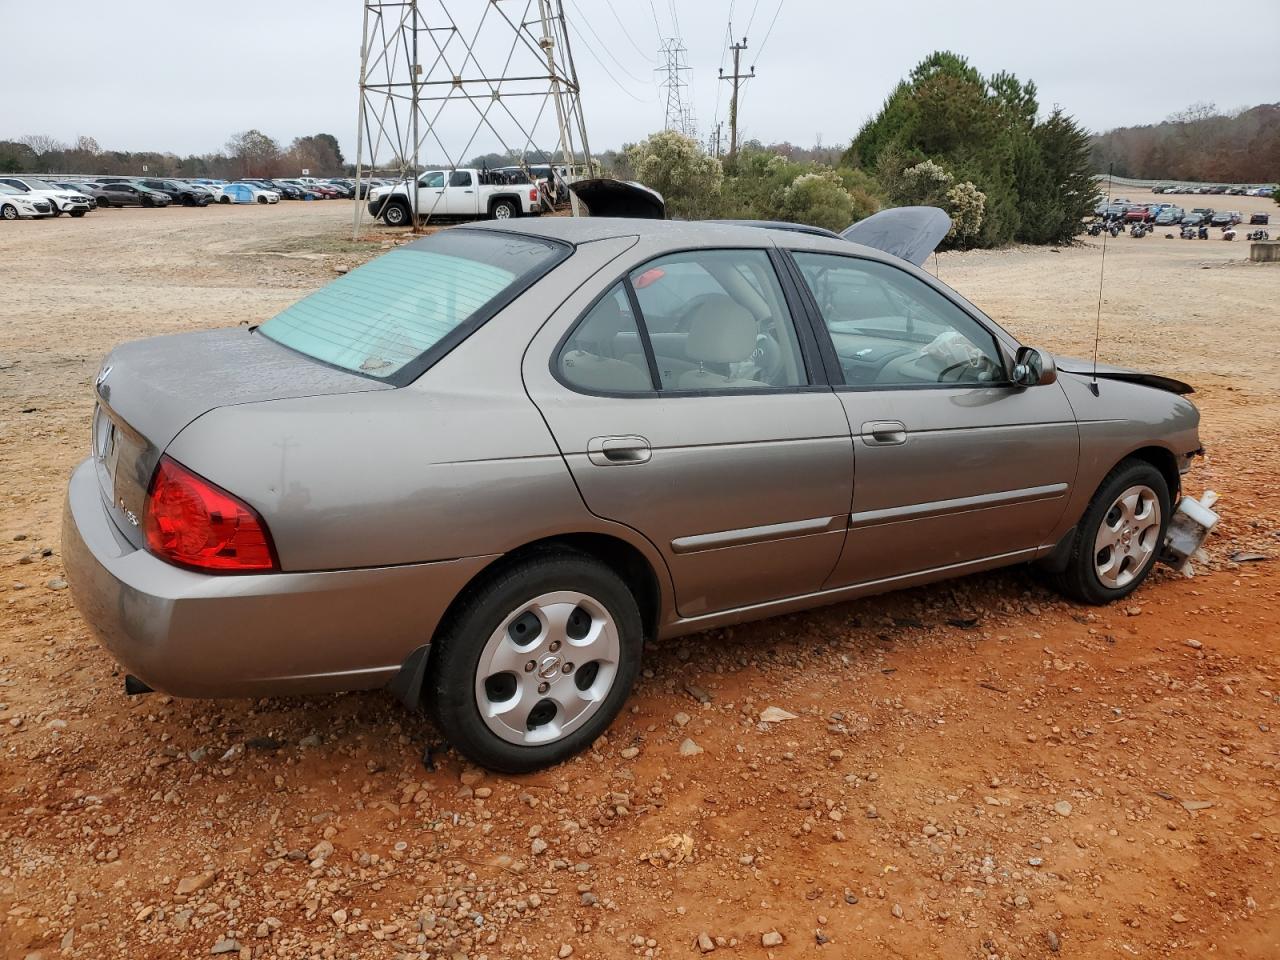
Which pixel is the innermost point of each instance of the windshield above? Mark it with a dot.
(394, 316)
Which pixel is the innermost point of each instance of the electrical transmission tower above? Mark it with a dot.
(674, 72)
(436, 89)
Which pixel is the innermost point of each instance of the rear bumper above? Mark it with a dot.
(195, 635)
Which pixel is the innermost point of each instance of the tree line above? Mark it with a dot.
(250, 153)
(1200, 144)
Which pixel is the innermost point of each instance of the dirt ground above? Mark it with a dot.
(975, 769)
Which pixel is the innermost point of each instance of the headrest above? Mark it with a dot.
(720, 331)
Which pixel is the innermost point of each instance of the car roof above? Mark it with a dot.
(677, 233)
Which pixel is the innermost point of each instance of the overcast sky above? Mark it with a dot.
(183, 76)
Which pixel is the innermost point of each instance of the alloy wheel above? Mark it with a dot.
(547, 668)
(1128, 537)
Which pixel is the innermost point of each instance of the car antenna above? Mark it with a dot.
(1102, 273)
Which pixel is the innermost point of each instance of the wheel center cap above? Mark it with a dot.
(549, 667)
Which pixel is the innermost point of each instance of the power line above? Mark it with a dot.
(769, 32)
(752, 19)
(656, 26)
(612, 56)
(626, 32)
(603, 66)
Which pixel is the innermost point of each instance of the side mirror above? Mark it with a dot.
(1031, 368)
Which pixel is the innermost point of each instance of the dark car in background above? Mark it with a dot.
(131, 195)
(1260, 219)
(1169, 216)
(1224, 218)
(189, 195)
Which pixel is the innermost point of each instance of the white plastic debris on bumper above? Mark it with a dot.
(1191, 523)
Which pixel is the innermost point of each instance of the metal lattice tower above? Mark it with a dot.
(435, 88)
(674, 73)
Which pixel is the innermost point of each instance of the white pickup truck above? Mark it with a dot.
(456, 194)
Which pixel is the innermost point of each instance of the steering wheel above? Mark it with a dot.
(979, 364)
(767, 357)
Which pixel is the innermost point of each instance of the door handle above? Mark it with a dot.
(884, 433)
(618, 451)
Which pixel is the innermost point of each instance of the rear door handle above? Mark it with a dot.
(618, 451)
(884, 433)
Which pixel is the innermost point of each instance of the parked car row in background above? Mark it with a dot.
(1168, 214)
(25, 197)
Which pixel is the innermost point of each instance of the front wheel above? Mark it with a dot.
(536, 663)
(1120, 536)
(395, 215)
(78, 213)
(8, 212)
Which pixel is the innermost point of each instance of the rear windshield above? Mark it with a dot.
(393, 317)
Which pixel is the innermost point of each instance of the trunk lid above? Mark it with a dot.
(149, 390)
(607, 197)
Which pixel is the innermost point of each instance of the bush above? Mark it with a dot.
(678, 168)
(817, 198)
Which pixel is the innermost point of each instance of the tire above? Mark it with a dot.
(78, 213)
(262, 200)
(488, 630)
(395, 214)
(102, 203)
(1089, 575)
(57, 211)
(8, 212)
(504, 210)
(224, 199)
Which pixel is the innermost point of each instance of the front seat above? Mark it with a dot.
(592, 365)
(721, 332)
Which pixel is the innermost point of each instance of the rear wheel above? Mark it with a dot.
(536, 663)
(1119, 539)
(503, 210)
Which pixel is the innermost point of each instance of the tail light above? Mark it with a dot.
(190, 522)
(533, 193)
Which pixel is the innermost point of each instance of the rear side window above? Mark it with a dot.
(393, 317)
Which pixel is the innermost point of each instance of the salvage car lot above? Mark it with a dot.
(972, 768)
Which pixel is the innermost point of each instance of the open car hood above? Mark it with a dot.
(1084, 368)
(911, 233)
(607, 197)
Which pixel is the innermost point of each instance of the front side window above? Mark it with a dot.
(434, 180)
(391, 317)
(605, 352)
(891, 329)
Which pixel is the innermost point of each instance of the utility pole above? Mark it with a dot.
(736, 77)
(716, 139)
